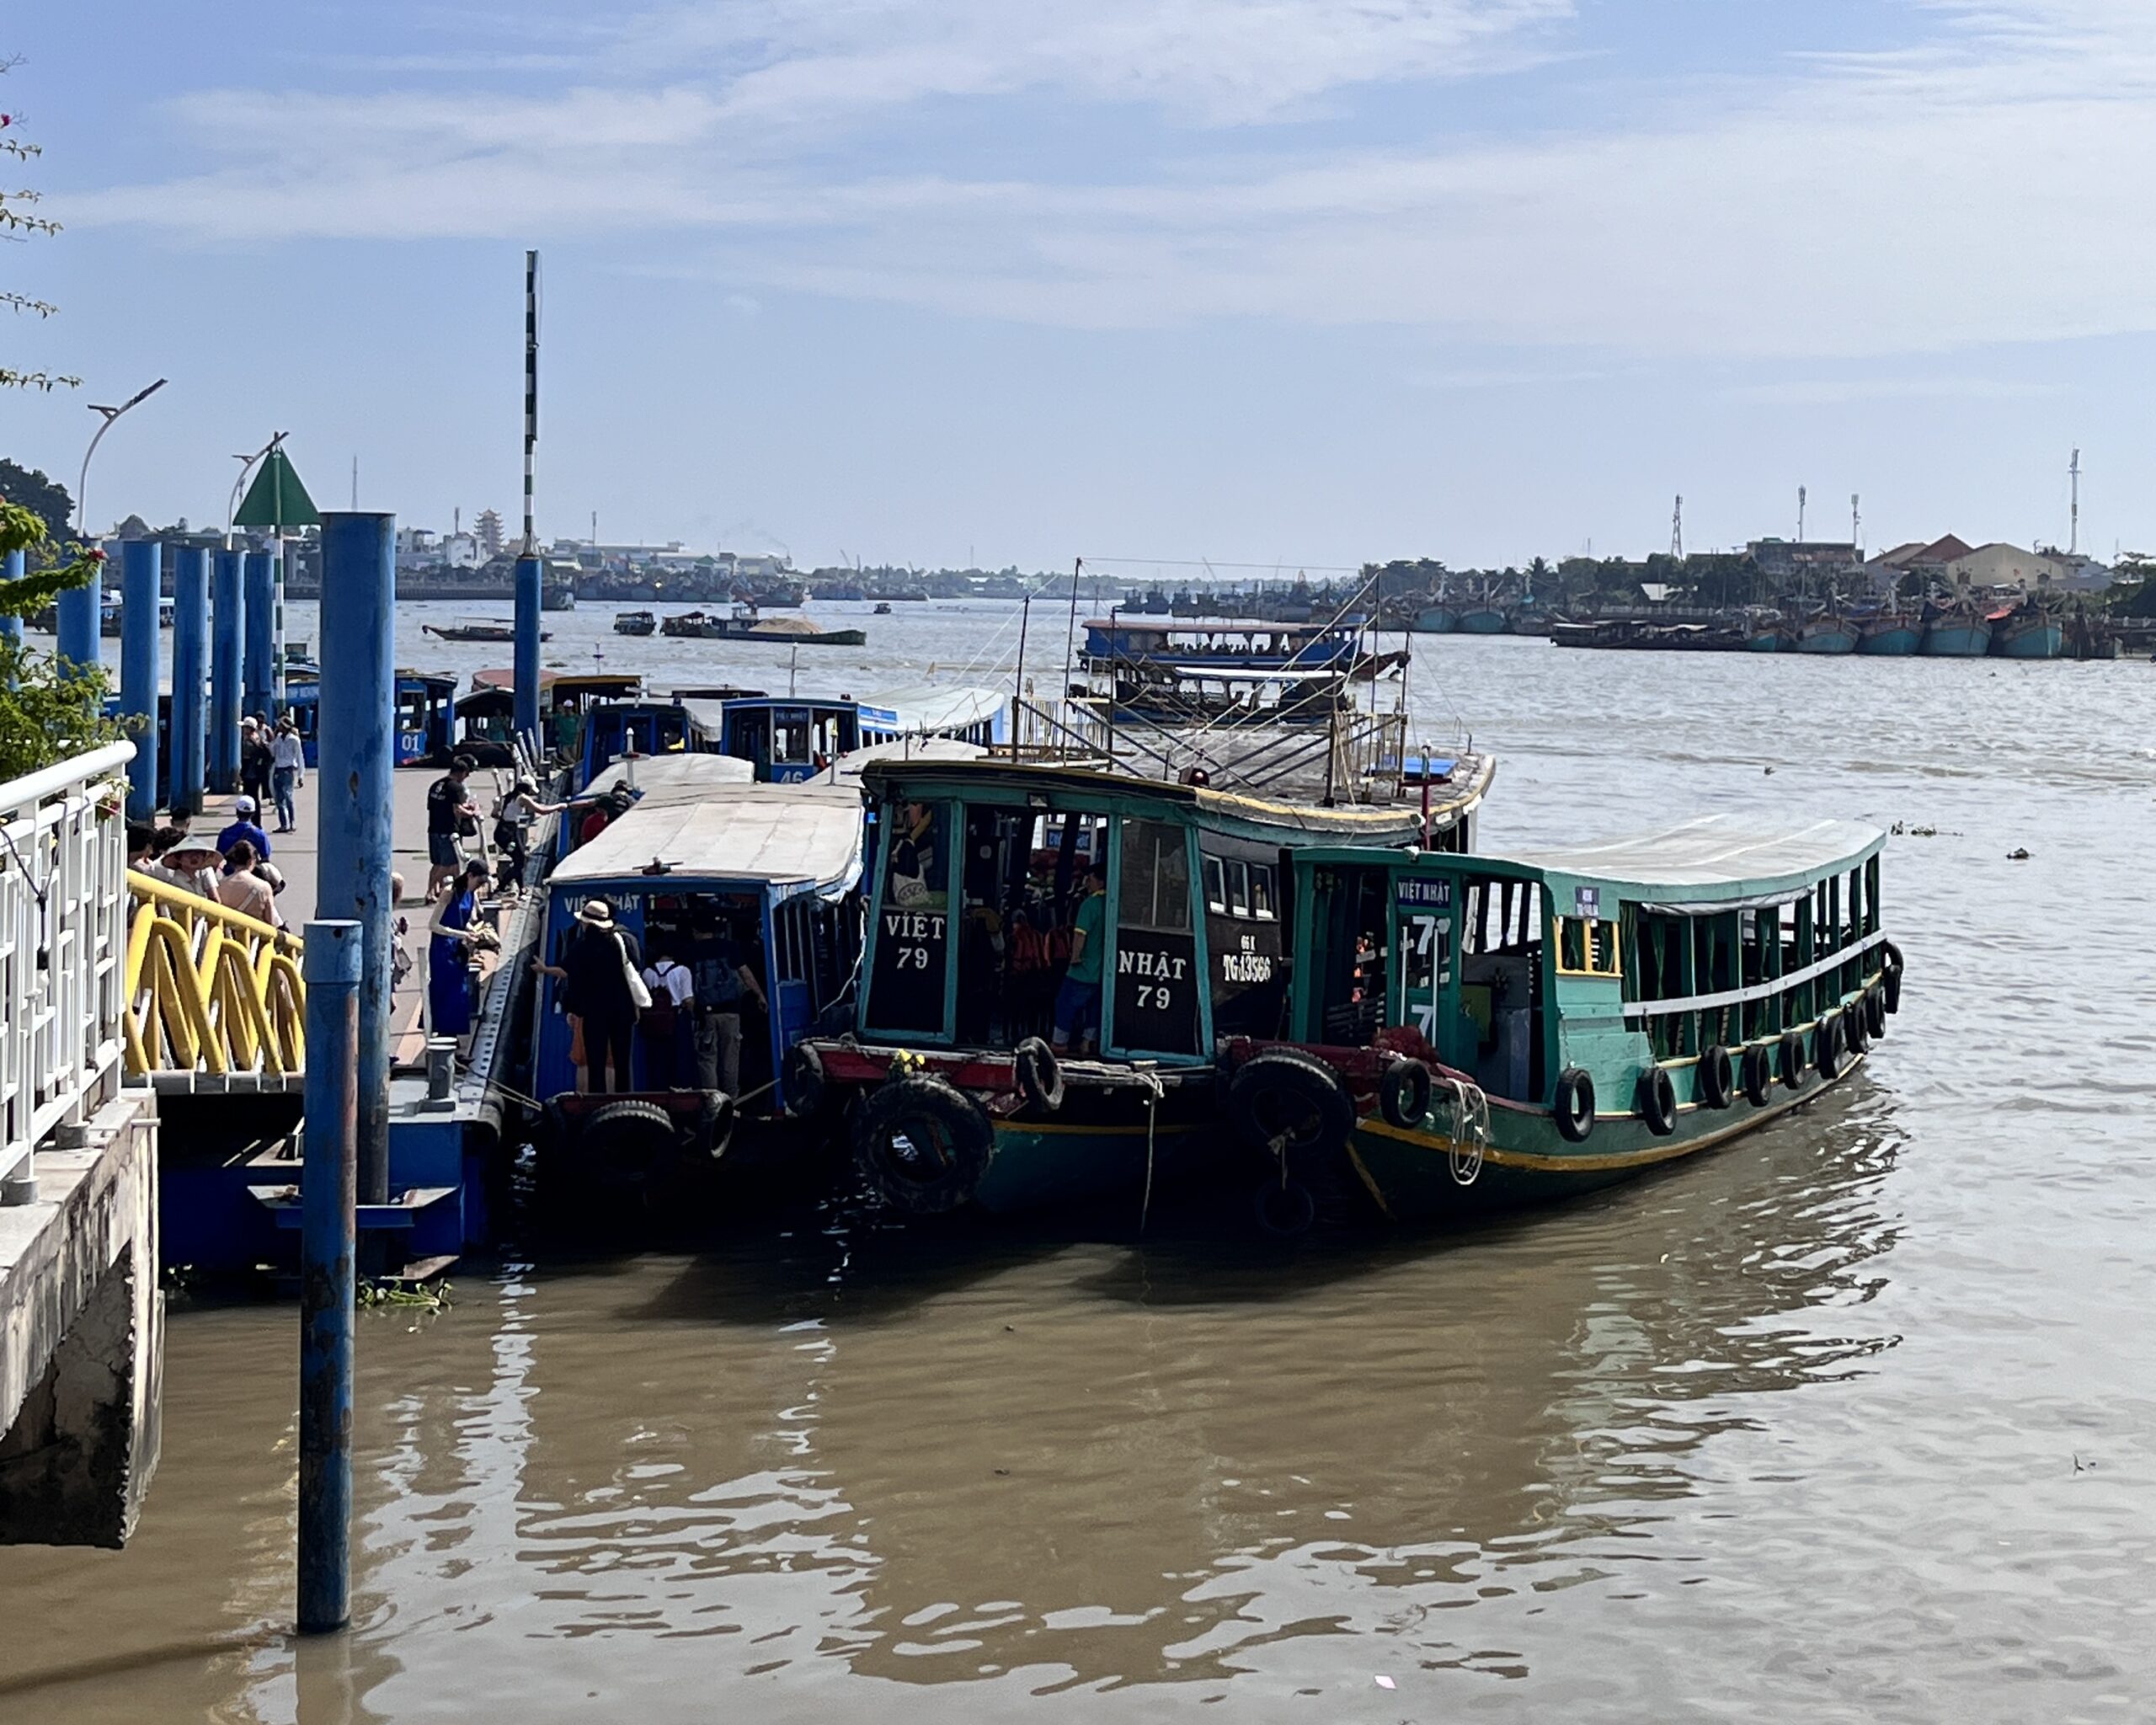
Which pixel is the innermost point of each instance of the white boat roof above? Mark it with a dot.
(1715, 850)
(804, 834)
(673, 776)
(937, 706)
(846, 769)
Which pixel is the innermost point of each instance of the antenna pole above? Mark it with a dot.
(2074, 526)
(1676, 534)
(1800, 515)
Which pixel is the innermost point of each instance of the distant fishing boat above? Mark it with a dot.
(635, 622)
(1771, 635)
(883, 608)
(1435, 620)
(2028, 633)
(1827, 633)
(744, 624)
(477, 631)
(1959, 633)
(1482, 620)
(1890, 635)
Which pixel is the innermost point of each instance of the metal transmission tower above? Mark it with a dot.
(1856, 528)
(1677, 531)
(1800, 515)
(2073, 518)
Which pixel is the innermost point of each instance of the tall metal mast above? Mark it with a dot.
(2074, 521)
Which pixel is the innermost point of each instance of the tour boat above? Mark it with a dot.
(1470, 1031)
(952, 1089)
(635, 622)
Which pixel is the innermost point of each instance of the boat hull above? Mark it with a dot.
(1827, 638)
(1893, 640)
(1435, 620)
(1765, 641)
(2029, 639)
(1411, 1172)
(1959, 637)
(1484, 622)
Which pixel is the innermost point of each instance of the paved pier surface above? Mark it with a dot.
(81, 1333)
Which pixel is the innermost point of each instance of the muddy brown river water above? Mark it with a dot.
(1849, 1421)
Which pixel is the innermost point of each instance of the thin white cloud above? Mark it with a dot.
(1978, 188)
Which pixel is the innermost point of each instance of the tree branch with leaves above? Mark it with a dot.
(22, 220)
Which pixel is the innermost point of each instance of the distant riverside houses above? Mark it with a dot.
(1953, 563)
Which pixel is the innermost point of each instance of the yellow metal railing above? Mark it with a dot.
(210, 990)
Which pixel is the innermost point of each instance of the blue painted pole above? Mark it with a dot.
(261, 608)
(12, 626)
(228, 623)
(141, 582)
(80, 609)
(191, 679)
(529, 579)
(357, 755)
(331, 965)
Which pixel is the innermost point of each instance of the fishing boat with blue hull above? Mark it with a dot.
(1471, 1031)
(1434, 619)
(749, 888)
(1827, 632)
(1483, 620)
(2029, 633)
(1889, 635)
(1053, 954)
(1958, 633)
(1770, 635)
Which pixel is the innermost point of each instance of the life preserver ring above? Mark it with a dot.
(1404, 1093)
(626, 1143)
(1874, 1013)
(1657, 1100)
(1758, 1075)
(1039, 1074)
(1574, 1105)
(801, 1081)
(1284, 1101)
(1717, 1078)
(1856, 1033)
(1791, 1052)
(1890, 975)
(1827, 1046)
(923, 1144)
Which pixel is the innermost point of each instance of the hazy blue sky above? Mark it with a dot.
(1316, 281)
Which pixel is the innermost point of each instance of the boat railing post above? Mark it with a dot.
(332, 963)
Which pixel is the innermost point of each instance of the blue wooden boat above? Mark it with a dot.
(2029, 633)
(1483, 620)
(1958, 633)
(1890, 635)
(1767, 638)
(1827, 633)
(1434, 619)
(1469, 1031)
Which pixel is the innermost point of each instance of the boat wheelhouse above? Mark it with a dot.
(1470, 1031)
(1119, 648)
(990, 1061)
(421, 727)
(718, 875)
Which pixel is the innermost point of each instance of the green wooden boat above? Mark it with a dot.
(954, 1082)
(1473, 1032)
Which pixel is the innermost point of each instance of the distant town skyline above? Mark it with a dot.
(948, 282)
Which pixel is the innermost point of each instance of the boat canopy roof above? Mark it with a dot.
(848, 768)
(1151, 623)
(673, 776)
(603, 682)
(931, 707)
(1250, 674)
(1715, 855)
(773, 835)
(925, 781)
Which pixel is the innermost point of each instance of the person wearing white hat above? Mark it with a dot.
(603, 992)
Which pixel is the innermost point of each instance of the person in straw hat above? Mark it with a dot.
(603, 993)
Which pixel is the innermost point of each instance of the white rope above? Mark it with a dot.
(1470, 1137)
(1154, 1091)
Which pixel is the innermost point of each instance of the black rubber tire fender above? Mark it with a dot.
(1758, 1075)
(626, 1143)
(1657, 1100)
(720, 1117)
(1874, 1013)
(801, 1081)
(1856, 1033)
(1283, 1094)
(1573, 1105)
(1285, 1209)
(1717, 1078)
(1827, 1046)
(1890, 975)
(1039, 1074)
(1404, 1093)
(923, 1144)
(1791, 1058)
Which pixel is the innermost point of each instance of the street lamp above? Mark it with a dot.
(110, 415)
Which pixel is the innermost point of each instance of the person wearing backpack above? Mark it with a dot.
(664, 1025)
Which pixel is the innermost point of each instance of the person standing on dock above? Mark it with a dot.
(451, 815)
(256, 759)
(453, 931)
(287, 763)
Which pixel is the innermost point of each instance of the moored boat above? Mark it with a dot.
(1958, 633)
(1022, 912)
(1439, 619)
(635, 622)
(1890, 635)
(1471, 1031)
(1828, 633)
(1482, 620)
(2028, 633)
(477, 631)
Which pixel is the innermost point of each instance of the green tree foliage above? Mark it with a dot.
(46, 499)
(49, 707)
(20, 219)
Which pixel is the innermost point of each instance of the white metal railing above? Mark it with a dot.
(63, 938)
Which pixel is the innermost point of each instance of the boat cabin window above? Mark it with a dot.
(1354, 937)
(791, 739)
(1497, 1032)
(1155, 945)
(909, 986)
(1587, 946)
(1243, 938)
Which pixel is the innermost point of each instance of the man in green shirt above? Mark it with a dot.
(1078, 1001)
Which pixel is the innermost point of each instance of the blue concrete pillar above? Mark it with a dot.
(357, 756)
(530, 580)
(332, 966)
(12, 626)
(191, 679)
(261, 608)
(80, 609)
(141, 582)
(228, 622)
